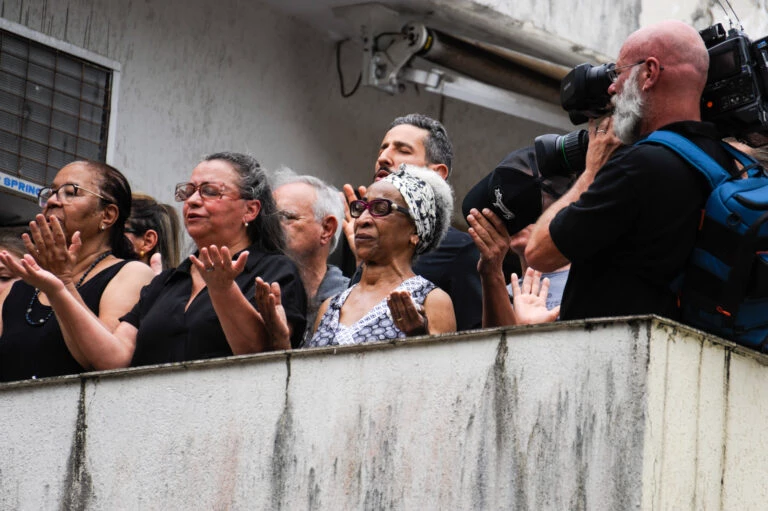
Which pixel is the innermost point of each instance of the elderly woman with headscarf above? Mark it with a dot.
(204, 308)
(402, 216)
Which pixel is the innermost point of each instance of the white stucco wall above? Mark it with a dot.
(201, 76)
(638, 414)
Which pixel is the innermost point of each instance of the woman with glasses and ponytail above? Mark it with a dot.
(205, 307)
(402, 216)
(78, 244)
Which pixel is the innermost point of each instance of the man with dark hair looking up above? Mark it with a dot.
(629, 223)
(420, 140)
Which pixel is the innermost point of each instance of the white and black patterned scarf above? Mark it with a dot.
(420, 198)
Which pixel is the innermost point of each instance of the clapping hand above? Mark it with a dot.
(47, 245)
(408, 316)
(270, 306)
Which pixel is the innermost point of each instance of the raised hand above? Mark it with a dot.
(492, 239)
(47, 244)
(408, 317)
(530, 302)
(217, 268)
(348, 224)
(270, 306)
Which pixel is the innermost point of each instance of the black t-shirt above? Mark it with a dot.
(39, 350)
(168, 333)
(630, 234)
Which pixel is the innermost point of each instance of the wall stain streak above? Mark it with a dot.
(726, 407)
(78, 484)
(284, 460)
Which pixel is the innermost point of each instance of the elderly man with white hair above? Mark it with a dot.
(311, 212)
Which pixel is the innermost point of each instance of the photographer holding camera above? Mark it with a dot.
(629, 222)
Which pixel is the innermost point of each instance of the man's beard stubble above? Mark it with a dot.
(628, 110)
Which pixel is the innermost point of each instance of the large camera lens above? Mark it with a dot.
(562, 155)
(584, 92)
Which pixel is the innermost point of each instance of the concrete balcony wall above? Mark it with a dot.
(621, 414)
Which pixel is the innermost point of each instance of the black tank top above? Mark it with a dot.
(38, 351)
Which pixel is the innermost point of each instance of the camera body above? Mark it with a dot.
(734, 97)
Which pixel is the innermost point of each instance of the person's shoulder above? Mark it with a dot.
(133, 272)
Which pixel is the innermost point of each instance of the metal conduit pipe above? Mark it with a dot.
(485, 66)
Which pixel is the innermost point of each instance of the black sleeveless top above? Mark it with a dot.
(38, 351)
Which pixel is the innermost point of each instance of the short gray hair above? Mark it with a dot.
(328, 202)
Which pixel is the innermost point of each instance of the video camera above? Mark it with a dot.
(734, 96)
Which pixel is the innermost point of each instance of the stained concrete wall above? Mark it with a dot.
(600, 415)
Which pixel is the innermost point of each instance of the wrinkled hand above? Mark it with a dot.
(156, 263)
(47, 244)
(30, 272)
(408, 317)
(530, 302)
(602, 143)
(490, 235)
(348, 224)
(270, 306)
(217, 268)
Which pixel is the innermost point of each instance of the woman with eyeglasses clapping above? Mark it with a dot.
(403, 215)
(79, 244)
(204, 308)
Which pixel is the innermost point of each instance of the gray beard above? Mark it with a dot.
(628, 110)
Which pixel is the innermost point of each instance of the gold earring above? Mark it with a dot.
(141, 253)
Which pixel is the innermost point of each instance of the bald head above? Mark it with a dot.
(675, 44)
(672, 76)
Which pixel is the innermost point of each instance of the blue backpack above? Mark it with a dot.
(725, 284)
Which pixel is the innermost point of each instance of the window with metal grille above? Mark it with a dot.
(54, 108)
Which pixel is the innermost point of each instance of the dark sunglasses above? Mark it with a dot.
(377, 208)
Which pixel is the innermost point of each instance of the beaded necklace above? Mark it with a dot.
(41, 321)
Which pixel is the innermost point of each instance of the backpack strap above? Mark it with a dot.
(693, 154)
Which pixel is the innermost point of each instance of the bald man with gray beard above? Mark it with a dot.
(629, 223)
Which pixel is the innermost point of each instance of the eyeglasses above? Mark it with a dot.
(377, 208)
(207, 191)
(613, 71)
(65, 193)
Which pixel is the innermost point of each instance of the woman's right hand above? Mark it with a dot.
(30, 272)
(47, 245)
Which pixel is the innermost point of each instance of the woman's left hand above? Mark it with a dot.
(217, 268)
(408, 317)
(270, 306)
